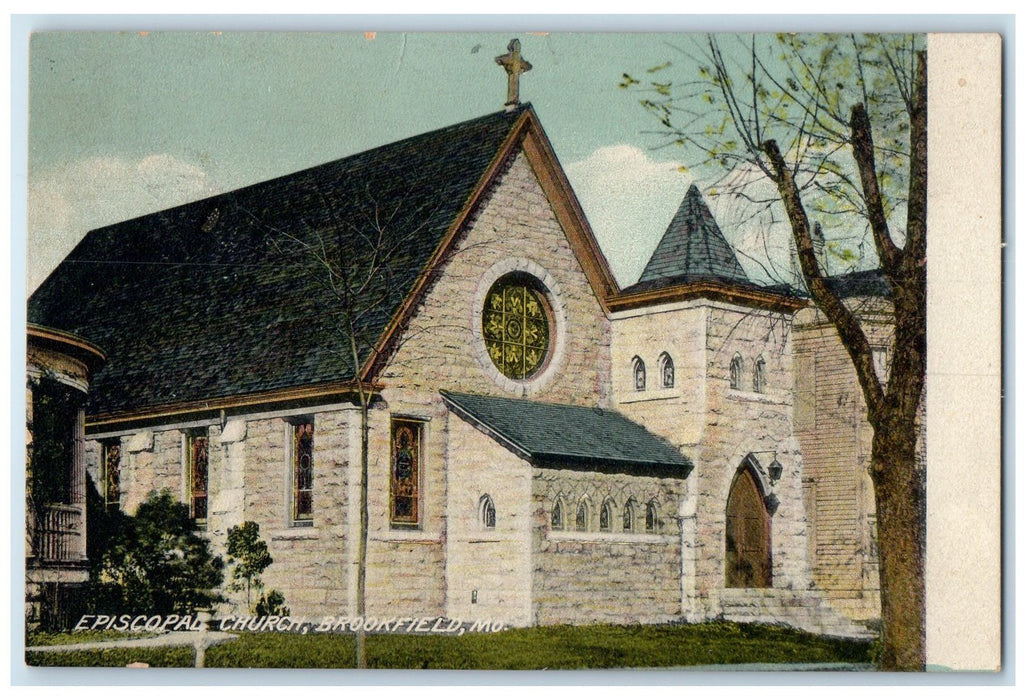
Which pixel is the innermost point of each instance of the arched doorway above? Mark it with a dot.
(749, 562)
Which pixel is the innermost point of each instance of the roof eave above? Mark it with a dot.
(203, 408)
(554, 460)
(718, 291)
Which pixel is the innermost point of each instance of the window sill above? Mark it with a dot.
(414, 536)
(611, 537)
(633, 396)
(736, 395)
(294, 534)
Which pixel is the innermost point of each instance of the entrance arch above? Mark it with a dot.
(749, 559)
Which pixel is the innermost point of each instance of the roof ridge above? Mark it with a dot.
(511, 115)
(123, 287)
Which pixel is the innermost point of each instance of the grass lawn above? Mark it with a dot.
(563, 647)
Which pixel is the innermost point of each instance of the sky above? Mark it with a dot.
(123, 124)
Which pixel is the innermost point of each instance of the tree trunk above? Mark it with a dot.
(900, 491)
(361, 581)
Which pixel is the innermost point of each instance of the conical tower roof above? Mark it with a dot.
(693, 248)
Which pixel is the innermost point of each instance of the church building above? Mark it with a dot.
(543, 447)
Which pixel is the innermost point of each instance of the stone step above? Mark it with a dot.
(807, 610)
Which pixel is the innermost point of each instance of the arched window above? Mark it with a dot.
(487, 511)
(651, 517)
(628, 515)
(759, 376)
(736, 369)
(639, 374)
(557, 515)
(582, 516)
(606, 516)
(666, 370)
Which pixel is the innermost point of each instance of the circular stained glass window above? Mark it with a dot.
(515, 325)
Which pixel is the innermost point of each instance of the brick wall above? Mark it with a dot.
(836, 439)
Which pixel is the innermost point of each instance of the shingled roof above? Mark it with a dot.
(210, 299)
(693, 249)
(557, 435)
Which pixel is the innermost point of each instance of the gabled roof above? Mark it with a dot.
(204, 300)
(557, 435)
(693, 248)
(215, 304)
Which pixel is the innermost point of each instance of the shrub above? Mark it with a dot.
(156, 562)
(271, 603)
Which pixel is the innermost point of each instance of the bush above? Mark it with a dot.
(155, 562)
(271, 603)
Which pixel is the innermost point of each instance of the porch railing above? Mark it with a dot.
(58, 535)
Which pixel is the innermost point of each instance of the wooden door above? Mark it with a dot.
(748, 553)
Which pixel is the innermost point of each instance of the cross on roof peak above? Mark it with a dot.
(514, 64)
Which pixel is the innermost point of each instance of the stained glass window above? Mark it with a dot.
(666, 370)
(112, 475)
(515, 325)
(198, 474)
(639, 374)
(406, 464)
(302, 471)
(628, 516)
(487, 511)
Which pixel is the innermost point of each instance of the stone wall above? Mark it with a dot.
(513, 229)
(488, 569)
(605, 576)
(742, 422)
(406, 574)
(718, 426)
(677, 413)
(310, 561)
(249, 473)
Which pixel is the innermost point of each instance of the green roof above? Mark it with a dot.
(559, 435)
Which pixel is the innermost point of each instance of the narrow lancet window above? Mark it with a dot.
(198, 457)
(112, 475)
(639, 374)
(406, 466)
(736, 369)
(759, 376)
(666, 370)
(487, 512)
(302, 472)
(606, 517)
(582, 516)
(651, 517)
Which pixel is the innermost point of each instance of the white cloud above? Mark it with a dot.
(67, 201)
(629, 200)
